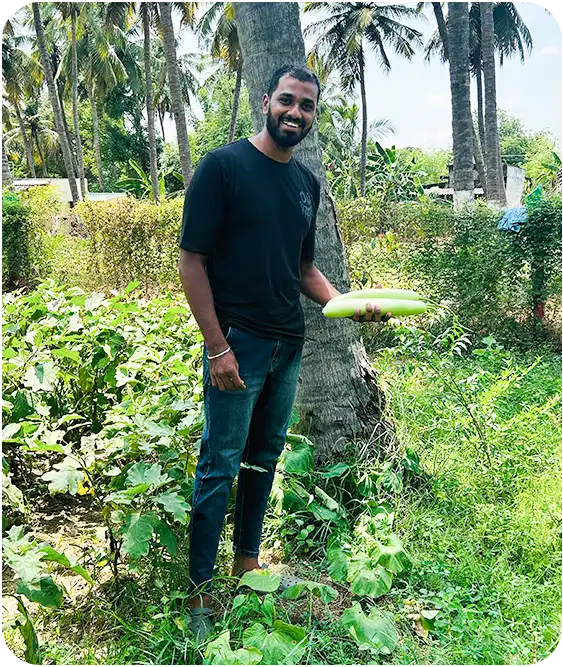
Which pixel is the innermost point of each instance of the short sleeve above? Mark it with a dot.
(204, 207)
(308, 247)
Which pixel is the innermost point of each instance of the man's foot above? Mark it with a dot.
(201, 623)
(201, 617)
(244, 564)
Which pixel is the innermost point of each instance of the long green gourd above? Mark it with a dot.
(339, 307)
(380, 293)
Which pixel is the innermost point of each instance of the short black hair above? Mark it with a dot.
(297, 72)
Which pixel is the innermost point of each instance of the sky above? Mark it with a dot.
(415, 96)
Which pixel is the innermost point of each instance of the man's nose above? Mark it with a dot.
(295, 112)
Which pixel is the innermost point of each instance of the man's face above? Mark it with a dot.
(290, 111)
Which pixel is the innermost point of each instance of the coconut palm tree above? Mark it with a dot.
(22, 76)
(495, 177)
(335, 411)
(349, 30)
(57, 112)
(339, 134)
(512, 37)
(42, 139)
(218, 31)
(462, 122)
(71, 11)
(116, 14)
(174, 81)
(6, 173)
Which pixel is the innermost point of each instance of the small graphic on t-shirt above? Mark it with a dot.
(306, 205)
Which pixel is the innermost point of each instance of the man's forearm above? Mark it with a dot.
(200, 298)
(315, 286)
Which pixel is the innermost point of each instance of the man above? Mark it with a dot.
(247, 241)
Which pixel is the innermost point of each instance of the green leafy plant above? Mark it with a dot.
(29, 561)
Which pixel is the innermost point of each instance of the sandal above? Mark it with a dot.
(286, 580)
(201, 623)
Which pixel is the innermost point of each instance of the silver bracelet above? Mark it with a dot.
(215, 356)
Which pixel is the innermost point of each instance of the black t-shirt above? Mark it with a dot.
(254, 218)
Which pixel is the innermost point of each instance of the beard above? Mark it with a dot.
(283, 138)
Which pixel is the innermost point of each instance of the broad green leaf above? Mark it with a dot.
(54, 556)
(286, 645)
(393, 556)
(337, 562)
(27, 631)
(328, 501)
(323, 513)
(141, 473)
(219, 652)
(326, 593)
(166, 537)
(65, 353)
(137, 532)
(39, 446)
(9, 431)
(260, 580)
(46, 593)
(28, 566)
(391, 481)
(93, 301)
(375, 632)
(335, 470)
(13, 495)
(41, 377)
(173, 503)
(65, 477)
(298, 459)
(73, 416)
(372, 583)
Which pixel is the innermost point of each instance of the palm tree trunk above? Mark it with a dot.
(479, 162)
(495, 177)
(442, 28)
(35, 136)
(96, 134)
(57, 113)
(363, 159)
(150, 104)
(74, 82)
(462, 122)
(338, 398)
(6, 173)
(236, 101)
(175, 86)
(161, 119)
(69, 137)
(480, 118)
(26, 142)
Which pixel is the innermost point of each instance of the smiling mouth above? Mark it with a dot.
(291, 124)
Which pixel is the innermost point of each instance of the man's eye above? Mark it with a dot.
(285, 101)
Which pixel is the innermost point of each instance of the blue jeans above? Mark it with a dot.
(241, 427)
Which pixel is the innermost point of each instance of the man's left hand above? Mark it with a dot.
(373, 314)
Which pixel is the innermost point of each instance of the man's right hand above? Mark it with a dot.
(224, 373)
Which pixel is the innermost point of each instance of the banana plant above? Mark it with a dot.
(141, 185)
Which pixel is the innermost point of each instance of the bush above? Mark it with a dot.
(460, 259)
(17, 240)
(539, 244)
(44, 204)
(132, 240)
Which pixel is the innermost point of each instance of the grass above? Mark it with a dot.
(483, 534)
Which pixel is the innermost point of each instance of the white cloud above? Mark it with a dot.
(551, 50)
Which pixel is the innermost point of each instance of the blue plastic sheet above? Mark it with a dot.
(513, 219)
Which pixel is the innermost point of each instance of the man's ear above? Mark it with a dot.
(265, 104)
